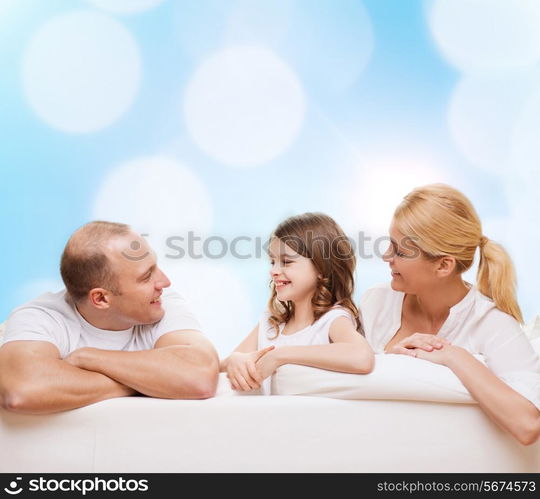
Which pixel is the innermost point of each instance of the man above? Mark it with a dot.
(112, 332)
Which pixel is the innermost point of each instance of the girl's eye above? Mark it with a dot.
(271, 262)
(286, 262)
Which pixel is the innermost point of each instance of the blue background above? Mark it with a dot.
(349, 105)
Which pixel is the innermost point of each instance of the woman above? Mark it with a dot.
(429, 311)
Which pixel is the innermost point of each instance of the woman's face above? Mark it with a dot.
(411, 271)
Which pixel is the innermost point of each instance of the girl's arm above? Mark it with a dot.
(249, 344)
(510, 410)
(349, 352)
(240, 365)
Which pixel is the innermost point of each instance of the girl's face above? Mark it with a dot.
(294, 276)
(411, 271)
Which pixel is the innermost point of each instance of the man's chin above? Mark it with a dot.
(153, 317)
(158, 315)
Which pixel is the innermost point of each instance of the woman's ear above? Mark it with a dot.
(446, 266)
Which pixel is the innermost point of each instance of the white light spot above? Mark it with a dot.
(381, 185)
(125, 6)
(158, 197)
(219, 299)
(482, 112)
(487, 34)
(244, 106)
(81, 71)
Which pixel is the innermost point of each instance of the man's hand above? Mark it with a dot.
(182, 364)
(242, 371)
(78, 357)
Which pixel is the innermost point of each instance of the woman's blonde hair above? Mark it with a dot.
(440, 221)
(318, 237)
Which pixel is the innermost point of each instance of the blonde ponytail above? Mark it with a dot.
(496, 277)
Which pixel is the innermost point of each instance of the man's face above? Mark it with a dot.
(140, 281)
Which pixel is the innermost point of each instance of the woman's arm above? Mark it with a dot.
(349, 352)
(510, 410)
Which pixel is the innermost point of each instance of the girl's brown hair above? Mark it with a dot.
(318, 237)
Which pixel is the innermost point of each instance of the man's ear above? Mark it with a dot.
(446, 266)
(99, 298)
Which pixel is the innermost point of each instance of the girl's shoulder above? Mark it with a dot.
(331, 314)
(335, 312)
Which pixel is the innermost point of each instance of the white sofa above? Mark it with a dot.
(408, 415)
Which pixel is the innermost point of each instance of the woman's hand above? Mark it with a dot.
(441, 356)
(241, 369)
(411, 345)
(267, 365)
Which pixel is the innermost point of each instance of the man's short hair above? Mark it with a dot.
(85, 265)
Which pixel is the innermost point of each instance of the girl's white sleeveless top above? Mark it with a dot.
(315, 334)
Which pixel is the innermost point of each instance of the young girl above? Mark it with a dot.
(429, 311)
(311, 317)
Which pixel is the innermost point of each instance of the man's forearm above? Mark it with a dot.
(57, 386)
(179, 371)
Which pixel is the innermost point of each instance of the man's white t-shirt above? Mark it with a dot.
(475, 324)
(52, 317)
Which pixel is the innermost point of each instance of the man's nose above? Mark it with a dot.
(163, 281)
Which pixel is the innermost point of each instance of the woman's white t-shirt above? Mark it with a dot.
(314, 334)
(475, 323)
